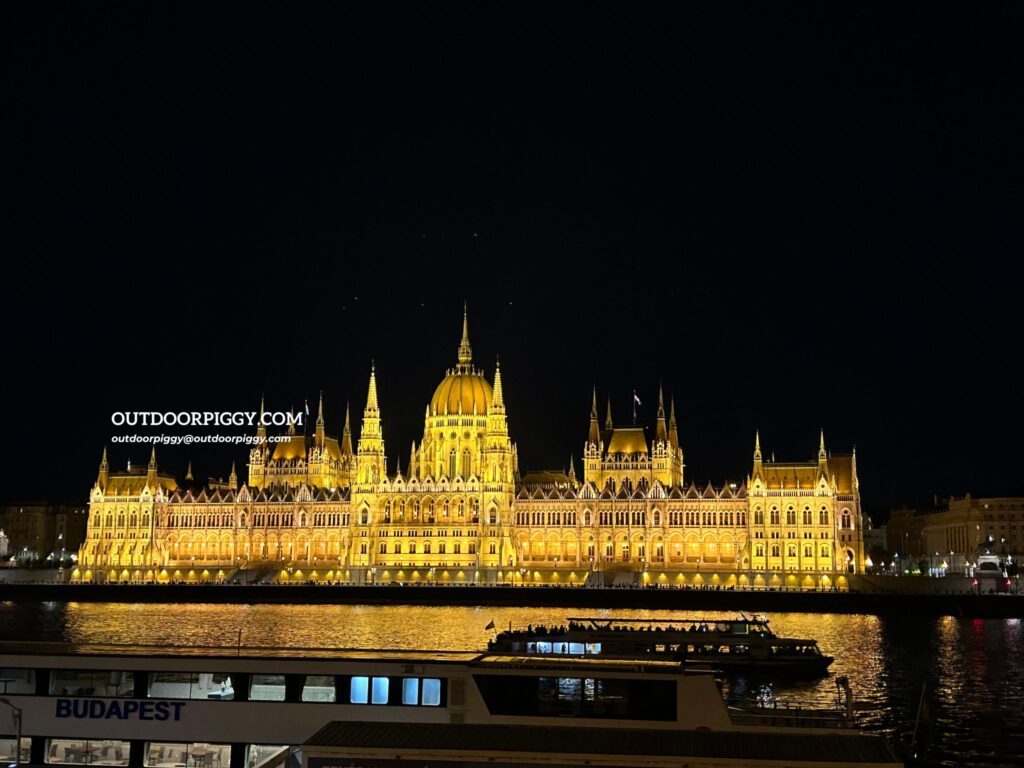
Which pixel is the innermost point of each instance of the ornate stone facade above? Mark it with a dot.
(315, 508)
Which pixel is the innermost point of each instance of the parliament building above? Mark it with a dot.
(326, 509)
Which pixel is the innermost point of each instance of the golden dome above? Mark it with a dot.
(463, 387)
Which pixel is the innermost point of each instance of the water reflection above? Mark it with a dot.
(972, 670)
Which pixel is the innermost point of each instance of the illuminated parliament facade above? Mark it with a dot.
(325, 509)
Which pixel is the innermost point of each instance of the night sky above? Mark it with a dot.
(795, 215)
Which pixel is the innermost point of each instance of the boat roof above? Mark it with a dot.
(815, 749)
(472, 658)
(15, 648)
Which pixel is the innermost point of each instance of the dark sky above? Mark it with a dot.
(796, 215)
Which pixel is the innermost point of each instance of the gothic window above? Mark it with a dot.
(807, 516)
(759, 551)
(758, 516)
(426, 547)
(458, 548)
(775, 516)
(451, 463)
(441, 548)
(412, 547)
(807, 551)
(492, 548)
(791, 550)
(775, 550)
(824, 551)
(362, 548)
(492, 516)
(398, 547)
(657, 518)
(846, 519)
(823, 516)
(465, 463)
(364, 517)
(383, 547)
(790, 516)
(302, 519)
(134, 520)
(462, 509)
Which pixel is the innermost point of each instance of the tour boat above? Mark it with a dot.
(132, 706)
(743, 644)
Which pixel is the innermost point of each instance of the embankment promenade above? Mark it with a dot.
(935, 603)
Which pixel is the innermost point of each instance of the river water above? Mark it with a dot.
(972, 670)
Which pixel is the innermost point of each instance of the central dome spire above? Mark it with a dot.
(465, 351)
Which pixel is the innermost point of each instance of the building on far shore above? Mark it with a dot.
(37, 530)
(329, 509)
(948, 537)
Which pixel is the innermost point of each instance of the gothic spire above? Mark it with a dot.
(233, 478)
(320, 411)
(371, 395)
(608, 419)
(346, 435)
(594, 436)
(465, 351)
(499, 397)
(673, 432)
(661, 433)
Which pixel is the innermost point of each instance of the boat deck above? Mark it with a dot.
(796, 749)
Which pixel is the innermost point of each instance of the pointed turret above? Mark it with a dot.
(233, 478)
(412, 460)
(673, 432)
(757, 453)
(608, 425)
(498, 399)
(572, 470)
(371, 393)
(104, 474)
(822, 455)
(594, 435)
(261, 430)
(371, 461)
(188, 472)
(320, 430)
(151, 469)
(465, 351)
(398, 467)
(661, 431)
(346, 435)
(291, 421)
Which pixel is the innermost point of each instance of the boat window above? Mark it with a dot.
(543, 647)
(91, 682)
(265, 755)
(18, 681)
(190, 685)
(380, 691)
(593, 647)
(7, 750)
(83, 752)
(587, 697)
(411, 691)
(318, 688)
(266, 688)
(431, 692)
(359, 690)
(576, 649)
(198, 754)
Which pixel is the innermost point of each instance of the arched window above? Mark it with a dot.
(492, 548)
(758, 516)
(775, 516)
(775, 550)
(823, 516)
(824, 551)
(457, 548)
(790, 516)
(412, 547)
(759, 551)
(846, 519)
(792, 550)
(466, 471)
(808, 517)
(656, 520)
(451, 463)
(441, 548)
(364, 517)
(808, 552)
(426, 547)
(398, 547)
(302, 519)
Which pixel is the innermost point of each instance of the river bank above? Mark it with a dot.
(959, 605)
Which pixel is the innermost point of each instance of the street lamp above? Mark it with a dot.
(16, 716)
